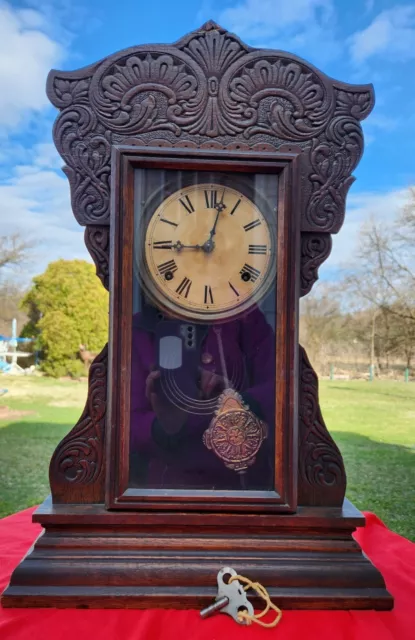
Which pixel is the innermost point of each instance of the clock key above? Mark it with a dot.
(231, 598)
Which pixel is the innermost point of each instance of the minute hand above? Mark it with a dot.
(209, 244)
(213, 230)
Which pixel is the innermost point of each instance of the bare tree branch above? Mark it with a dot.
(13, 250)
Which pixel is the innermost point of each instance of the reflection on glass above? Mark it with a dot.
(203, 343)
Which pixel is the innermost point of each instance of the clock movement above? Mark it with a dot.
(209, 177)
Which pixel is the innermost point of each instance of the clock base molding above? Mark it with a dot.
(88, 557)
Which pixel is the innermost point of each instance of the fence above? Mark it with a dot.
(336, 370)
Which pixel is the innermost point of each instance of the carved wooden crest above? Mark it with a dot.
(211, 90)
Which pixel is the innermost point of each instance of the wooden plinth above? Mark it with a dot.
(89, 557)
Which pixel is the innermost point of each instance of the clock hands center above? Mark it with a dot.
(209, 245)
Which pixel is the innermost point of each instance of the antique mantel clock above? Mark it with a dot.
(209, 177)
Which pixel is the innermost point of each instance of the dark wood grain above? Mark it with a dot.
(97, 243)
(306, 560)
(315, 249)
(76, 472)
(322, 477)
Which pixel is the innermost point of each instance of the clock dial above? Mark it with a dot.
(209, 253)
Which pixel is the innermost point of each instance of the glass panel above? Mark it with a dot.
(203, 343)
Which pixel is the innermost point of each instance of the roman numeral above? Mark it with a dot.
(208, 295)
(184, 287)
(235, 207)
(173, 224)
(187, 204)
(162, 244)
(170, 265)
(253, 224)
(249, 273)
(233, 289)
(258, 249)
(211, 198)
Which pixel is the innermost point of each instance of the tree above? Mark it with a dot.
(368, 316)
(387, 256)
(14, 252)
(67, 307)
(11, 294)
(325, 328)
(382, 286)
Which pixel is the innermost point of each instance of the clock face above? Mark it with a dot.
(209, 253)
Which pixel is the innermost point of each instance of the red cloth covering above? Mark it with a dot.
(392, 554)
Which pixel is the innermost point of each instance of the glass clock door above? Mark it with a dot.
(202, 406)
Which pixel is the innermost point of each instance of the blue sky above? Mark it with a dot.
(355, 41)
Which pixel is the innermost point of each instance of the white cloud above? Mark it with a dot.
(378, 122)
(47, 156)
(296, 25)
(391, 34)
(11, 151)
(31, 19)
(261, 18)
(35, 202)
(385, 123)
(34, 196)
(26, 56)
(383, 206)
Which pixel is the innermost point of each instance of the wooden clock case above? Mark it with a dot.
(210, 100)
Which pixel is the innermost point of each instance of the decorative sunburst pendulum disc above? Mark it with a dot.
(235, 434)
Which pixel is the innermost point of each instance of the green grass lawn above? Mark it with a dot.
(373, 424)
(28, 441)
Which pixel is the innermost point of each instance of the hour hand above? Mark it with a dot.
(178, 246)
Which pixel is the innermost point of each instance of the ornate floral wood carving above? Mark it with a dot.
(315, 249)
(97, 242)
(320, 461)
(208, 86)
(76, 468)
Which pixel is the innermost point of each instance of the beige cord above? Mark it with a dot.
(263, 593)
